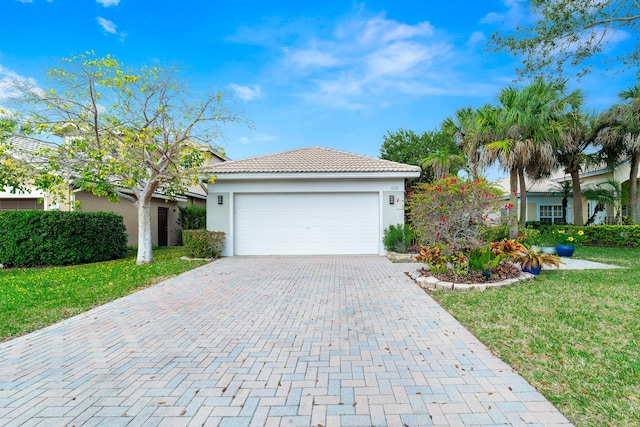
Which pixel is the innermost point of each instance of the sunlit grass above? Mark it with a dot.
(574, 335)
(33, 298)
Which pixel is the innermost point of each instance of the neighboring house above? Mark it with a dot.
(544, 196)
(164, 212)
(310, 201)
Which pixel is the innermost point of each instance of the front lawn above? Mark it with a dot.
(574, 335)
(36, 297)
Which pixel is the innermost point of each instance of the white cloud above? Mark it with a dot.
(8, 79)
(515, 13)
(259, 138)
(368, 57)
(107, 26)
(108, 3)
(246, 93)
(475, 38)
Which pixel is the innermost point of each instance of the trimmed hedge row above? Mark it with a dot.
(39, 238)
(203, 243)
(605, 235)
(608, 235)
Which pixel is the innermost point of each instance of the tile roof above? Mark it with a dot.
(311, 160)
(26, 145)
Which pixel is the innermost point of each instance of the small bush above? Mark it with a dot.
(203, 243)
(398, 238)
(40, 238)
(192, 217)
(494, 233)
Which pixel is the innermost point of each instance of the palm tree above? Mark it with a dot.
(571, 146)
(463, 128)
(608, 192)
(528, 130)
(618, 131)
(443, 161)
(566, 190)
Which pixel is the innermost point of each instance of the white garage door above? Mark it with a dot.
(307, 224)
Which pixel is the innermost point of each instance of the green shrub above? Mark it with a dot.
(494, 233)
(203, 243)
(398, 238)
(192, 217)
(607, 235)
(39, 238)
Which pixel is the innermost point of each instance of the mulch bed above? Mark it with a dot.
(504, 271)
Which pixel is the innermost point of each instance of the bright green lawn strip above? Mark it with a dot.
(33, 298)
(574, 335)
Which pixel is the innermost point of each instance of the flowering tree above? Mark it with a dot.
(450, 211)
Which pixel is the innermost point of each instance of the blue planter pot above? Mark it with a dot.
(565, 250)
(535, 271)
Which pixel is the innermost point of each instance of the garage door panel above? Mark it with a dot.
(306, 223)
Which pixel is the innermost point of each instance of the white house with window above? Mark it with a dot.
(545, 196)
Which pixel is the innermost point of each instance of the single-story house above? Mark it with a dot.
(309, 201)
(544, 196)
(164, 212)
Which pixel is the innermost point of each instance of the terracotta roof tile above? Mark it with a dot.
(311, 160)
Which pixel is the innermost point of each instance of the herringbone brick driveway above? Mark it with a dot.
(300, 341)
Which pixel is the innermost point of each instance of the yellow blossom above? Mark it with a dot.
(580, 233)
(570, 239)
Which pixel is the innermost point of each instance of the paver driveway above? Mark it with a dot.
(270, 341)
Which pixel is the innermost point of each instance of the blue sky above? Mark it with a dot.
(336, 74)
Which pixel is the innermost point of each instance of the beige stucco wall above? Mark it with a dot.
(91, 203)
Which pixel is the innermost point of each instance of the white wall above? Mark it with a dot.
(220, 217)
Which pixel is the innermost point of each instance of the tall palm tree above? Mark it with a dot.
(463, 128)
(571, 148)
(618, 131)
(532, 127)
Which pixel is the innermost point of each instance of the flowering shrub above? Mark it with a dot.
(451, 212)
(569, 237)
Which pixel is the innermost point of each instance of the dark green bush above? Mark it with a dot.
(397, 238)
(203, 243)
(38, 238)
(192, 217)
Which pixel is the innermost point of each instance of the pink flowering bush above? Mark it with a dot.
(450, 212)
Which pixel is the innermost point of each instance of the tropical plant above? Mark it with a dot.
(525, 130)
(608, 192)
(443, 161)
(463, 128)
(531, 259)
(481, 259)
(434, 256)
(618, 131)
(451, 212)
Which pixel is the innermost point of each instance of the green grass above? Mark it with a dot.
(36, 297)
(574, 335)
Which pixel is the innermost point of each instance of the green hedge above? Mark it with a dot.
(203, 243)
(608, 235)
(39, 238)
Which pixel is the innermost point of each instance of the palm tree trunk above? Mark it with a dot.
(523, 199)
(512, 214)
(633, 188)
(578, 216)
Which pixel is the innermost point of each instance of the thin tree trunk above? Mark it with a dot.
(578, 216)
(145, 253)
(513, 200)
(633, 189)
(523, 199)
